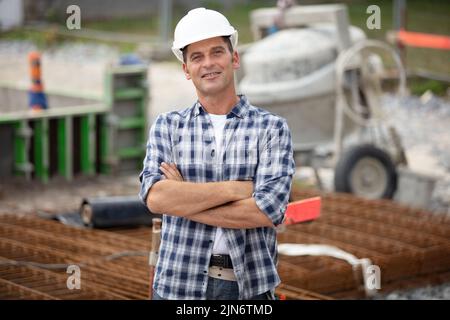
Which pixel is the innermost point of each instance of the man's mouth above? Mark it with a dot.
(210, 75)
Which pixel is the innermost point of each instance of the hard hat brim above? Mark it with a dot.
(177, 47)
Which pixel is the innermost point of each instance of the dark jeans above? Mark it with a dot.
(223, 290)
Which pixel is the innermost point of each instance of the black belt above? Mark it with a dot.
(221, 260)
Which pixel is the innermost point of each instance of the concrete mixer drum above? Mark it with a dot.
(324, 77)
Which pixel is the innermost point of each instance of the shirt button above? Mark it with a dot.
(204, 271)
(213, 152)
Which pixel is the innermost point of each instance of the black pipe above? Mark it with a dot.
(107, 212)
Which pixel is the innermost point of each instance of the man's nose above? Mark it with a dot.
(208, 62)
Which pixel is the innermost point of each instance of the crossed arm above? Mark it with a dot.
(227, 204)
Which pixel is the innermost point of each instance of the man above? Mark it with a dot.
(220, 172)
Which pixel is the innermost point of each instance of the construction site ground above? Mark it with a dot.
(411, 246)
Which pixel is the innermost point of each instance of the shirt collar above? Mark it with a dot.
(239, 110)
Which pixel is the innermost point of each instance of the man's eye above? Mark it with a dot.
(195, 58)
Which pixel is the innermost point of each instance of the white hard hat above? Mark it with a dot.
(200, 24)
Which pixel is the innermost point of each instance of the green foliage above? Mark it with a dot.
(420, 86)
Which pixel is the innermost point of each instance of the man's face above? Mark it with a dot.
(210, 65)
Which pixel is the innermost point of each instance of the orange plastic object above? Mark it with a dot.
(424, 40)
(303, 210)
(37, 100)
(34, 59)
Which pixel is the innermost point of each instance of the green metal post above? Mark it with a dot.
(87, 129)
(104, 144)
(41, 156)
(65, 147)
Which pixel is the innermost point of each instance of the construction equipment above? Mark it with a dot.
(324, 78)
(107, 212)
(79, 134)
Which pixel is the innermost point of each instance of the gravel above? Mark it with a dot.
(438, 292)
(422, 121)
(423, 124)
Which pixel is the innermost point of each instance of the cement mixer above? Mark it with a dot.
(324, 77)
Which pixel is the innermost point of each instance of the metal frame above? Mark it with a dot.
(99, 128)
(38, 137)
(297, 16)
(137, 124)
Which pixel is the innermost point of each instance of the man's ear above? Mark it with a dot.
(186, 71)
(236, 60)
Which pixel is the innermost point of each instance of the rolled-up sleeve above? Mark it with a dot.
(274, 172)
(158, 150)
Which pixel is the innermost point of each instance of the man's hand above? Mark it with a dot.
(170, 171)
(243, 190)
(239, 214)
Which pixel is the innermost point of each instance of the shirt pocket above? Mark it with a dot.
(190, 158)
(241, 159)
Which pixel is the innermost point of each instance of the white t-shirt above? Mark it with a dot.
(218, 122)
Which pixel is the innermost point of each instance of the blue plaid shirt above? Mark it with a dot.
(257, 146)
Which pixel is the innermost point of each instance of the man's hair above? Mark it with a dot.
(226, 39)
